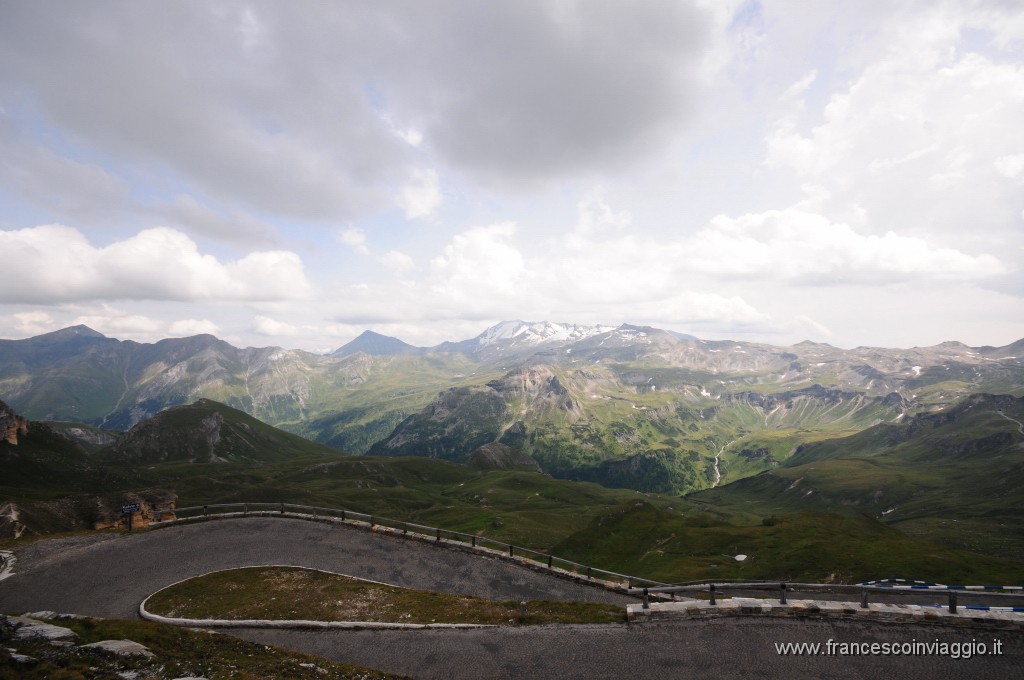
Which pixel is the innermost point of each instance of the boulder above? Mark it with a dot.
(121, 648)
(26, 628)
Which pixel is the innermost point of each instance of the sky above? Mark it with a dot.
(293, 173)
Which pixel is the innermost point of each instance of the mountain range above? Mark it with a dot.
(935, 496)
(627, 406)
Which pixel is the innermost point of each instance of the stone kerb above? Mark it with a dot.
(799, 609)
(289, 623)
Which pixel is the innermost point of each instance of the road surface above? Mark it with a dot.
(108, 575)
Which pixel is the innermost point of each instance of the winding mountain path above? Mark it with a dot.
(109, 575)
(1020, 426)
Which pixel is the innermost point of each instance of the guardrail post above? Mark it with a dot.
(647, 600)
(439, 534)
(782, 599)
(713, 593)
(282, 508)
(370, 520)
(588, 573)
(342, 515)
(550, 559)
(474, 540)
(864, 599)
(510, 549)
(952, 602)
(245, 509)
(204, 511)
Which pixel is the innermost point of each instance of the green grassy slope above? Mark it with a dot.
(639, 538)
(955, 477)
(804, 520)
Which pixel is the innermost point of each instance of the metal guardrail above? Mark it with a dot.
(715, 590)
(625, 582)
(631, 585)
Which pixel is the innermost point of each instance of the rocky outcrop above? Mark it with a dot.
(74, 513)
(10, 524)
(495, 456)
(11, 425)
(154, 505)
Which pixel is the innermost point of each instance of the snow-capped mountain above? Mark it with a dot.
(533, 333)
(511, 337)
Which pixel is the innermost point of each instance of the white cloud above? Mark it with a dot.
(411, 136)
(797, 89)
(115, 323)
(480, 267)
(396, 261)
(34, 322)
(919, 137)
(55, 263)
(422, 196)
(484, 274)
(819, 329)
(802, 247)
(354, 237)
(596, 218)
(189, 327)
(1011, 167)
(264, 325)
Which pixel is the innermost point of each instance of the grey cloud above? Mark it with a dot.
(288, 108)
(60, 185)
(529, 90)
(199, 219)
(276, 124)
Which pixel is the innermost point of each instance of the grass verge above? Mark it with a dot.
(178, 652)
(291, 593)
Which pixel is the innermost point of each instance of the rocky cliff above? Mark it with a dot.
(75, 513)
(11, 425)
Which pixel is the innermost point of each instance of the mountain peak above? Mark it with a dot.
(370, 342)
(536, 332)
(79, 331)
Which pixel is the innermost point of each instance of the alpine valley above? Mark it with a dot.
(868, 440)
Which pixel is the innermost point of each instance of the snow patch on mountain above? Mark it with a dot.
(531, 333)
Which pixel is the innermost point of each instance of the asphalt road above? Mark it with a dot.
(109, 575)
(719, 648)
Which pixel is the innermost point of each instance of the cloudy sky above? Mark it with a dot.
(292, 173)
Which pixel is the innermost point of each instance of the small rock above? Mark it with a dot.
(121, 648)
(22, 660)
(25, 628)
(44, 615)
